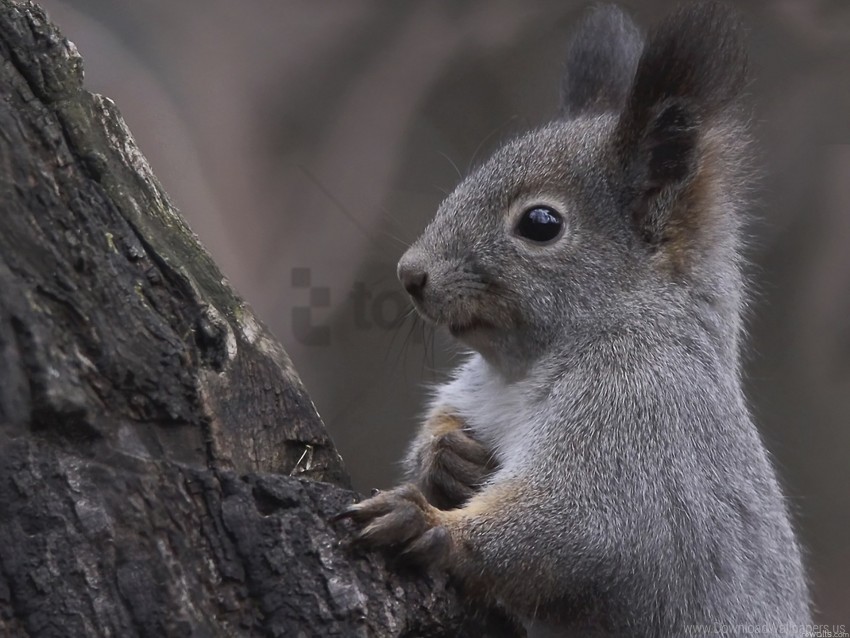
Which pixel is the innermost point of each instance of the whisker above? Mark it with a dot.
(433, 365)
(391, 219)
(454, 166)
(338, 205)
(404, 343)
(487, 137)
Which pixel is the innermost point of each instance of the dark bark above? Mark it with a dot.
(159, 458)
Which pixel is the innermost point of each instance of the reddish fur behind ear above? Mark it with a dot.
(685, 91)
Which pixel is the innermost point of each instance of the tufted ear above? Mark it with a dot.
(689, 77)
(600, 63)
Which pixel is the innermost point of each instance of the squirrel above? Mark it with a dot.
(593, 467)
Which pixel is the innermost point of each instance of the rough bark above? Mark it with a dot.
(162, 470)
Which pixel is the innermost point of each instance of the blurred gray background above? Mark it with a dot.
(307, 142)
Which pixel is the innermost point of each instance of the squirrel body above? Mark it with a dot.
(593, 466)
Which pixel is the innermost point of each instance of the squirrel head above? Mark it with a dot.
(631, 192)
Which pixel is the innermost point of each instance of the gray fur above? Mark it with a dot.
(605, 379)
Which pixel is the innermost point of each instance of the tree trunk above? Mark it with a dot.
(162, 470)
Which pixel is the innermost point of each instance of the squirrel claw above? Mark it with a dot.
(348, 512)
(431, 548)
(400, 519)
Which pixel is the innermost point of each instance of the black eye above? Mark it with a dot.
(540, 224)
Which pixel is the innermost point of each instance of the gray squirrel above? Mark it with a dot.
(593, 466)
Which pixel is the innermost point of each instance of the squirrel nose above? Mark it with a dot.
(413, 279)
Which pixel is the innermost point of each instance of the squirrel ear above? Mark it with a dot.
(690, 75)
(600, 63)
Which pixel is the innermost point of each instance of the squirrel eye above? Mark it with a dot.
(540, 224)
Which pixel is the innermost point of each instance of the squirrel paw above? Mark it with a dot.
(404, 522)
(454, 466)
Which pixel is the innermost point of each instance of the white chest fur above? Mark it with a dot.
(497, 411)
